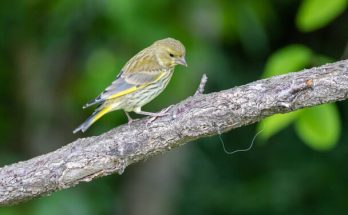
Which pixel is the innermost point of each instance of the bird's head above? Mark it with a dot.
(170, 52)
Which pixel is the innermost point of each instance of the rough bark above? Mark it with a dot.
(196, 117)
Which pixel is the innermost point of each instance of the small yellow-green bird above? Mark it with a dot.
(143, 78)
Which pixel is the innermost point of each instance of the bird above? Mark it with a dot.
(140, 80)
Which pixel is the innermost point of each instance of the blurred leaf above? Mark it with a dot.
(314, 14)
(10, 211)
(319, 127)
(288, 59)
(68, 202)
(255, 44)
(321, 59)
(101, 70)
(276, 123)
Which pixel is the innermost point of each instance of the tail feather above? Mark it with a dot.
(97, 100)
(92, 119)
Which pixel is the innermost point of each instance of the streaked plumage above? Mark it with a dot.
(143, 78)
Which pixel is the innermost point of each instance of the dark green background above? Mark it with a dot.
(57, 55)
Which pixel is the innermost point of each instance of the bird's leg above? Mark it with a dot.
(130, 120)
(154, 116)
(162, 113)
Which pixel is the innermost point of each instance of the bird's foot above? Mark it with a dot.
(130, 120)
(154, 116)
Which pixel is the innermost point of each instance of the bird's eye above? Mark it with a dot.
(171, 55)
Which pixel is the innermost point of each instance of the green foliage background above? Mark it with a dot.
(57, 55)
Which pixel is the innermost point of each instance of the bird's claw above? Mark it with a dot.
(130, 121)
(164, 112)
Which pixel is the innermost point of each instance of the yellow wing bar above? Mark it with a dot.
(132, 89)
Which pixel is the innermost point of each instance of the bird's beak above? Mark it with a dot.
(182, 61)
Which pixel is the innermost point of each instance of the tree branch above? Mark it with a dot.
(196, 117)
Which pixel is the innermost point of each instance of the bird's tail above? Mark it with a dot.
(92, 119)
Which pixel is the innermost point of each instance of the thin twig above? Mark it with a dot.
(200, 89)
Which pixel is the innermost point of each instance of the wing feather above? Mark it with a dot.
(122, 86)
(130, 83)
(139, 72)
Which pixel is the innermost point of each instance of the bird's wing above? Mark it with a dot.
(140, 71)
(130, 82)
(127, 83)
